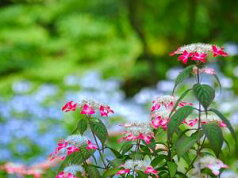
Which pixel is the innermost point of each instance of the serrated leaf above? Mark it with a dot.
(110, 172)
(172, 167)
(204, 94)
(177, 118)
(215, 137)
(182, 76)
(92, 172)
(99, 129)
(184, 143)
(226, 121)
(82, 125)
(177, 102)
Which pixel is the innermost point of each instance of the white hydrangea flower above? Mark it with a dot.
(210, 117)
(77, 140)
(195, 47)
(166, 99)
(209, 162)
(90, 102)
(136, 164)
(164, 113)
(138, 128)
(73, 169)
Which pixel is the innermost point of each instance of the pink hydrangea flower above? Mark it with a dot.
(137, 165)
(65, 175)
(209, 71)
(123, 171)
(87, 109)
(160, 122)
(168, 102)
(198, 52)
(199, 57)
(137, 131)
(218, 51)
(184, 57)
(105, 110)
(150, 170)
(211, 163)
(91, 146)
(72, 149)
(70, 106)
(191, 122)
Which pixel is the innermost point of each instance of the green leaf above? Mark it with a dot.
(214, 134)
(142, 174)
(172, 168)
(218, 81)
(82, 125)
(182, 76)
(158, 160)
(116, 162)
(180, 98)
(126, 147)
(177, 118)
(92, 172)
(204, 94)
(115, 152)
(110, 172)
(226, 121)
(99, 129)
(184, 143)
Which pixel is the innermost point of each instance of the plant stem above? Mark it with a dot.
(199, 124)
(197, 155)
(99, 150)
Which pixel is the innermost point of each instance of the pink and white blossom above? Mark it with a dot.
(137, 131)
(218, 51)
(211, 163)
(137, 165)
(70, 145)
(69, 106)
(198, 52)
(88, 107)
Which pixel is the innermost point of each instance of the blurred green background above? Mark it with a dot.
(43, 41)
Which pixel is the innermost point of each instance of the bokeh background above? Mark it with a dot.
(115, 51)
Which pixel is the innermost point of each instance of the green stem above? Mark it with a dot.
(197, 155)
(101, 156)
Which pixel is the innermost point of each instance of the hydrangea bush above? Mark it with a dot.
(180, 139)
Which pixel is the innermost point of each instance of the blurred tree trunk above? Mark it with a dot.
(135, 83)
(137, 25)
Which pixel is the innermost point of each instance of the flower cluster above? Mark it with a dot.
(161, 110)
(198, 52)
(22, 170)
(137, 165)
(137, 131)
(209, 71)
(70, 145)
(209, 162)
(211, 117)
(70, 171)
(88, 107)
